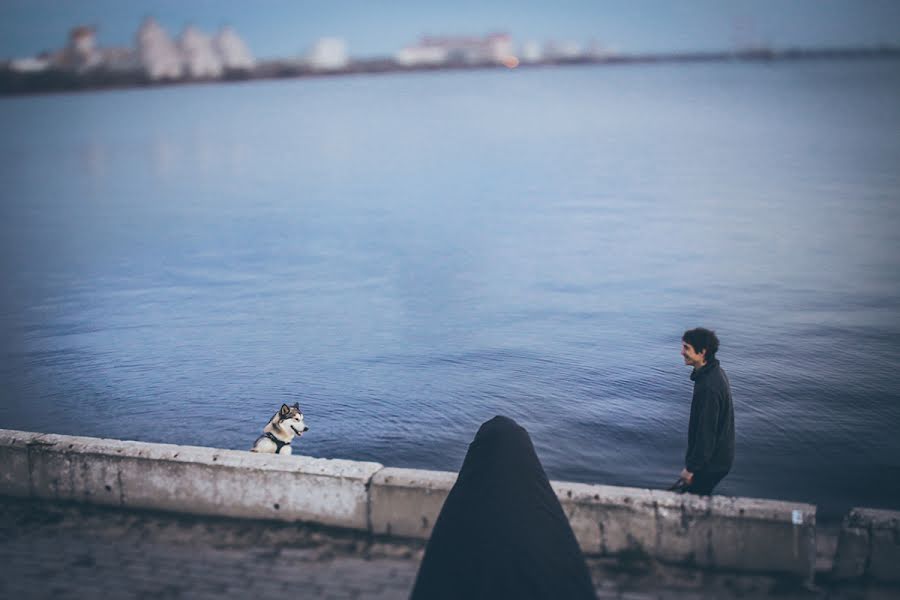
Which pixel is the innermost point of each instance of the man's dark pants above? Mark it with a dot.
(704, 482)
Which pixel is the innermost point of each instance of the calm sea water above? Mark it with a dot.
(407, 256)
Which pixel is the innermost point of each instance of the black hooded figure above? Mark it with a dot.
(502, 532)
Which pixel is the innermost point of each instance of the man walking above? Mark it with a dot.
(710, 451)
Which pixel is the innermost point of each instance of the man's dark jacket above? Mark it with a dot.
(711, 430)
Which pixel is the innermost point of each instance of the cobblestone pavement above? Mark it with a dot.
(66, 551)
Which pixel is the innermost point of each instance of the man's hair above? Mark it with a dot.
(702, 339)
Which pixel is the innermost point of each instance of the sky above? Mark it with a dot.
(288, 28)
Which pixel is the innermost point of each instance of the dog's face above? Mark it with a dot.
(292, 417)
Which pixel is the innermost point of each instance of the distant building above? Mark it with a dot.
(421, 56)
(562, 50)
(500, 47)
(29, 64)
(200, 58)
(119, 60)
(196, 55)
(531, 52)
(158, 56)
(328, 54)
(436, 50)
(80, 53)
(233, 51)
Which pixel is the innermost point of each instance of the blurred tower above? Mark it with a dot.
(328, 54)
(496, 48)
(499, 47)
(233, 51)
(157, 53)
(80, 53)
(200, 57)
(531, 52)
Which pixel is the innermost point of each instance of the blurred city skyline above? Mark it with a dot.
(280, 28)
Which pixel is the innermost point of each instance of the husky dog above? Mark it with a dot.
(280, 431)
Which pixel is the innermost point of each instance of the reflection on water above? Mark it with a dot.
(407, 256)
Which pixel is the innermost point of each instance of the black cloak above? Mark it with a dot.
(502, 532)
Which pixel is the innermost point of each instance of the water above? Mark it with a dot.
(409, 255)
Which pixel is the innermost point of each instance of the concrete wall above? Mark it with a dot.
(186, 479)
(742, 534)
(869, 545)
(720, 532)
(406, 502)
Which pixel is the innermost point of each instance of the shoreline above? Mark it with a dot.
(16, 83)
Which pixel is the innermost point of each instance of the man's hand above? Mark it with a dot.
(687, 476)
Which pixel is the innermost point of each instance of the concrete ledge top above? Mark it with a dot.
(874, 518)
(569, 492)
(11, 437)
(797, 513)
(638, 498)
(327, 467)
(393, 476)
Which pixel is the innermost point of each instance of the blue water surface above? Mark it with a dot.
(408, 255)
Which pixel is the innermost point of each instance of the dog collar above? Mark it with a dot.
(278, 443)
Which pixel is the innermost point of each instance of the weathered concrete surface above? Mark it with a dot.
(852, 554)
(56, 551)
(15, 473)
(406, 502)
(736, 534)
(728, 533)
(884, 556)
(76, 551)
(719, 532)
(869, 545)
(187, 479)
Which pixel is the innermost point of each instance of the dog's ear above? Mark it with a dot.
(285, 410)
(297, 405)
